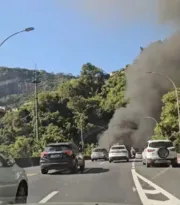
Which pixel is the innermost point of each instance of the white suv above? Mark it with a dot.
(159, 152)
(118, 152)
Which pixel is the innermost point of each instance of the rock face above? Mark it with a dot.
(16, 84)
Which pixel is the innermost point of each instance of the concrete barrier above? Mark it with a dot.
(33, 161)
(28, 162)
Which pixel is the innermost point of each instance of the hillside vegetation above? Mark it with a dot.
(168, 127)
(88, 101)
(16, 84)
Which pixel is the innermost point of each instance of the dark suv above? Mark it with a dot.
(62, 156)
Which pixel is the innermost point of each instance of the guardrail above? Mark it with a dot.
(33, 161)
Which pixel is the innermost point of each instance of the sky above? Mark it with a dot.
(64, 38)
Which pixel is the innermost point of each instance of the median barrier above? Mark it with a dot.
(33, 161)
(28, 162)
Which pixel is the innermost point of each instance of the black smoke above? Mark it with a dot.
(145, 91)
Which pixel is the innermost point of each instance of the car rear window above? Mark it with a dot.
(160, 144)
(57, 148)
(118, 147)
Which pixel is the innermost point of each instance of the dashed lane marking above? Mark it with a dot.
(133, 165)
(49, 196)
(102, 162)
(31, 174)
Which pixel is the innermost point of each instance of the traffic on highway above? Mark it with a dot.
(117, 175)
(87, 115)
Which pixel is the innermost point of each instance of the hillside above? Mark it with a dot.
(16, 84)
(87, 102)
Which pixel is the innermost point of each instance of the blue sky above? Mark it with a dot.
(64, 38)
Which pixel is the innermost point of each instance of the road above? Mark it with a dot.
(122, 183)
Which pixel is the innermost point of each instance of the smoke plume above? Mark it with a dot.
(144, 90)
(116, 12)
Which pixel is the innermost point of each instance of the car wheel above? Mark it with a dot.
(174, 163)
(92, 160)
(22, 192)
(44, 171)
(110, 160)
(74, 169)
(82, 167)
(148, 165)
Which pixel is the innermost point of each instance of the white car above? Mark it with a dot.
(99, 153)
(138, 155)
(159, 152)
(118, 152)
(13, 182)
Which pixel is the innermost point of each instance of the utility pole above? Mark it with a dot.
(36, 81)
(82, 138)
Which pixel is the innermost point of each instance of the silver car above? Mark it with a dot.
(13, 182)
(99, 153)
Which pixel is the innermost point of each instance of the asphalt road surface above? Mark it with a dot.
(122, 183)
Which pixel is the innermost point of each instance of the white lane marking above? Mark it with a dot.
(160, 173)
(142, 192)
(133, 165)
(134, 189)
(170, 196)
(31, 174)
(102, 162)
(151, 191)
(49, 196)
(139, 189)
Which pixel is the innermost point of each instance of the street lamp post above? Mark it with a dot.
(176, 92)
(36, 81)
(81, 129)
(153, 119)
(148, 117)
(16, 33)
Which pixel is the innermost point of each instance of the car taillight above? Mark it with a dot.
(150, 150)
(68, 152)
(44, 154)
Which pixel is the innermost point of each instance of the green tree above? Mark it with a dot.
(78, 103)
(168, 125)
(113, 92)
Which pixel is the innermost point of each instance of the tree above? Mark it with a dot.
(168, 126)
(93, 77)
(53, 134)
(80, 103)
(113, 92)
